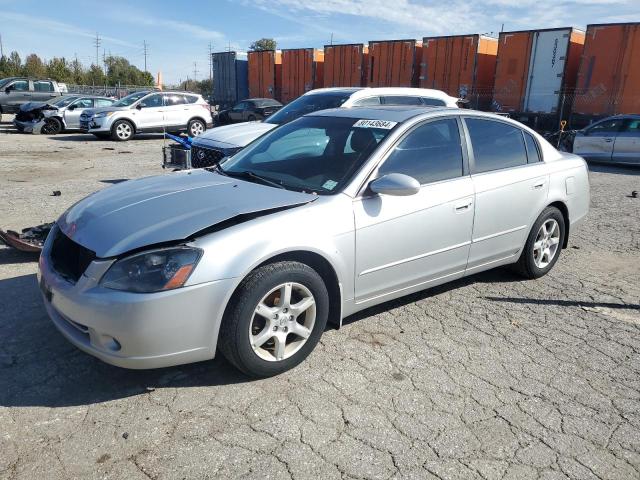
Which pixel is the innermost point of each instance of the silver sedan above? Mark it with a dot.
(322, 217)
(611, 140)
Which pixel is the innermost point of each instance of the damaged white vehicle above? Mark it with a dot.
(59, 115)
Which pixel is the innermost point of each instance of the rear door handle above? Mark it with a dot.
(608, 140)
(538, 186)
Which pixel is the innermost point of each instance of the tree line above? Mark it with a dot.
(117, 70)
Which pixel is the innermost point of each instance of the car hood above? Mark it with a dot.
(93, 111)
(238, 135)
(31, 106)
(167, 208)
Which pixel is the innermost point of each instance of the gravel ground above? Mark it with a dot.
(488, 377)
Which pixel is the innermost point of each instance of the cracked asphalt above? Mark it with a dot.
(490, 377)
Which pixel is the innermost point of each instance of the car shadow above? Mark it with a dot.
(39, 367)
(86, 137)
(11, 256)
(114, 181)
(565, 303)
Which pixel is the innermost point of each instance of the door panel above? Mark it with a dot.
(596, 142)
(405, 241)
(152, 114)
(627, 145)
(507, 203)
(72, 117)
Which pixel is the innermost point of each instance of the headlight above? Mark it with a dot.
(103, 114)
(152, 271)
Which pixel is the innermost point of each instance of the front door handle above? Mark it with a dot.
(608, 140)
(538, 186)
(463, 206)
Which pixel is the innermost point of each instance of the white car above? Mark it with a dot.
(146, 112)
(209, 148)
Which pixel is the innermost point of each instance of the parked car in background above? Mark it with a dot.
(611, 140)
(16, 91)
(211, 147)
(249, 110)
(149, 111)
(322, 217)
(58, 115)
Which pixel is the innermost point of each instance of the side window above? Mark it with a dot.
(533, 151)
(401, 100)
(239, 107)
(367, 102)
(42, 86)
(429, 153)
(102, 102)
(173, 99)
(606, 128)
(20, 86)
(84, 103)
(152, 101)
(633, 126)
(435, 102)
(495, 145)
(190, 99)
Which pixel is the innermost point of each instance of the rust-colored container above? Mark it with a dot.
(460, 65)
(263, 80)
(345, 65)
(392, 63)
(302, 70)
(535, 69)
(609, 75)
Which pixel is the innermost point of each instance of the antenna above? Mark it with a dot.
(97, 42)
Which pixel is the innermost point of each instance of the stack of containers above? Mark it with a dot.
(391, 63)
(265, 74)
(460, 65)
(230, 83)
(609, 76)
(536, 74)
(302, 70)
(345, 65)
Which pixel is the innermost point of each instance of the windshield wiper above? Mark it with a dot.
(255, 176)
(217, 168)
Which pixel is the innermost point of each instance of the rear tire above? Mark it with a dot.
(543, 245)
(274, 341)
(122, 130)
(251, 118)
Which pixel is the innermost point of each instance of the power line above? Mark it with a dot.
(97, 42)
(145, 54)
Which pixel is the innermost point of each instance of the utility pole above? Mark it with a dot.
(145, 54)
(97, 42)
(195, 71)
(331, 41)
(1, 47)
(210, 62)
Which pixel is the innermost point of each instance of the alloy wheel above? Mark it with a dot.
(546, 245)
(123, 131)
(196, 129)
(283, 321)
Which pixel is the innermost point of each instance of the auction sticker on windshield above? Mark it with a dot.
(384, 124)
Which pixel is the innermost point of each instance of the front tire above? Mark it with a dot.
(196, 127)
(275, 319)
(122, 130)
(543, 245)
(52, 126)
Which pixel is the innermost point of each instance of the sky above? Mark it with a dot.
(179, 36)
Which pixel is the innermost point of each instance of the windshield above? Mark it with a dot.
(4, 81)
(307, 104)
(64, 101)
(130, 99)
(312, 154)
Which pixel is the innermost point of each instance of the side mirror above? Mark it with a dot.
(140, 106)
(397, 184)
(8, 89)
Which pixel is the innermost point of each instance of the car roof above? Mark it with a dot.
(418, 92)
(392, 113)
(349, 90)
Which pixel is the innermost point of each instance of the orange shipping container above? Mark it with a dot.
(263, 80)
(461, 65)
(535, 68)
(344, 65)
(302, 70)
(391, 63)
(609, 75)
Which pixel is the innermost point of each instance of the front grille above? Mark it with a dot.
(205, 157)
(23, 116)
(69, 258)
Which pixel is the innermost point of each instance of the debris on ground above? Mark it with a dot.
(30, 240)
(56, 193)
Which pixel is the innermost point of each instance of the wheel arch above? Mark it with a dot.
(322, 266)
(125, 119)
(565, 215)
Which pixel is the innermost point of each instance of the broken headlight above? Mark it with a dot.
(152, 271)
(103, 114)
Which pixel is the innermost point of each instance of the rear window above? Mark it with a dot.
(496, 145)
(401, 100)
(435, 102)
(191, 98)
(43, 86)
(307, 104)
(533, 151)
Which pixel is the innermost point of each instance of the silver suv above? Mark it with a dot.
(146, 112)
